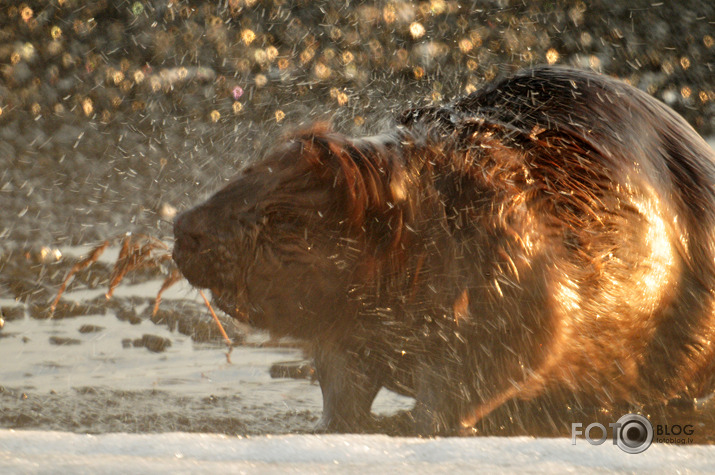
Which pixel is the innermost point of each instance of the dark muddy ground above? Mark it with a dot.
(115, 114)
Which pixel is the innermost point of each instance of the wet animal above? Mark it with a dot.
(548, 239)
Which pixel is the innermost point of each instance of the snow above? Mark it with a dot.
(40, 452)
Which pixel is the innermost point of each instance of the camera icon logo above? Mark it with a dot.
(634, 433)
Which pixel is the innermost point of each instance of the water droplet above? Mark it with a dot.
(552, 56)
(417, 30)
(137, 8)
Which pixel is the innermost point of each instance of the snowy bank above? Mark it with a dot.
(39, 452)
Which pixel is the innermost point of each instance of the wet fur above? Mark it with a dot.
(547, 239)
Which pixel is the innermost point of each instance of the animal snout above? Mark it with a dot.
(190, 230)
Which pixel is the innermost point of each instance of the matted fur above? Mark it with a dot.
(546, 239)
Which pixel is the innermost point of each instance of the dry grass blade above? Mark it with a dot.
(134, 256)
(173, 278)
(137, 252)
(120, 266)
(229, 344)
(86, 262)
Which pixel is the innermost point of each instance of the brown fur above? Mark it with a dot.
(546, 239)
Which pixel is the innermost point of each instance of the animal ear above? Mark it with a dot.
(343, 167)
(369, 181)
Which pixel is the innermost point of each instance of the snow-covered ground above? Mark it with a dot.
(33, 452)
